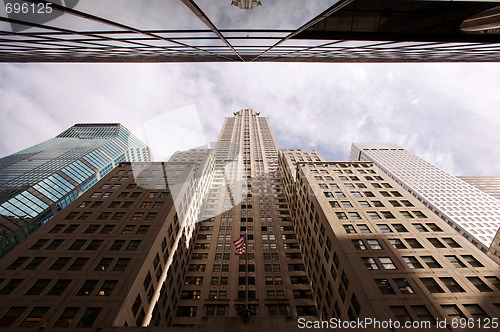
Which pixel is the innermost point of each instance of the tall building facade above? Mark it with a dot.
(152, 244)
(473, 213)
(38, 182)
(488, 184)
(372, 250)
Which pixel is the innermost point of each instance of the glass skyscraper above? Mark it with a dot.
(37, 182)
(279, 30)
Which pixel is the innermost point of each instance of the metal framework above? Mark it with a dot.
(343, 31)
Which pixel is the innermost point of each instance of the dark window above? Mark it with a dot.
(17, 263)
(133, 245)
(78, 264)
(59, 287)
(38, 287)
(107, 287)
(480, 284)
(11, 316)
(94, 244)
(39, 244)
(10, 286)
(91, 229)
(35, 263)
(54, 244)
(384, 286)
(431, 285)
(77, 244)
(87, 287)
(34, 317)
(60, 263)
(103, 264)
(117, 245)
(66, 317)
(121, 265)
(107, 229)
(89, 317)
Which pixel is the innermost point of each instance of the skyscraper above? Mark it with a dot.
(473, 213)
(38, 182)
(322, 240)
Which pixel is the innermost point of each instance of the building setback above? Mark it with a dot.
(470, 211)
(38, 182)
(488, 184)
(151, 244)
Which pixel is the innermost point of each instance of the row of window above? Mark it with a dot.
(36, 315)
(122, 205)
(376, 215)
(390, 228)
(116, 215)
(340, 194)
(366, 204)
(414, 263)
(77, 264)
(399, 244)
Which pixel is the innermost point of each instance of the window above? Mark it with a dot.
(414, 243)
(334, 204)
(346, 204)
(87, 287)
(436, 243)
(128, 229)
(78, 264)
(60, 263)
(374, 244)
(121, 265)
(94, 244)
(59, 287)
(397, 244)
(107, 287)
(452, 243)
(431, 262)
(401, 314)
(17, 263)
(107, 229)
(89, 317)
(395, 203)
(494, 281)
(388, 215)
(412, 262)
(434, 227)
(370, 263)
(406, 214)
(103, 264)
(420, 227)
(349, 229)
(142, 229)
(480, 284)
(358, 244)
(137, 216)
(472, 261)
(35, 263)
(404, 286)
(373, 215)
(455, 261)
(133, 245)
(422, 313)
(66, 317)
(38, 287)
(419, 214)
(387, 263)
(77, 244)
(117, 245)
(384, 228)
(364, 204)
(400, 228)
(431, 285)
(377, 204)
(452, 311)
(91, 229)
(186, 311)
(354, 215)
(151, 216)
(85, 215)
(384, 286)
(56, 228)
(364, 229)
(34, 317)
(341, 215)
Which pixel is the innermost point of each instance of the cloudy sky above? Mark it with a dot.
(446, 113)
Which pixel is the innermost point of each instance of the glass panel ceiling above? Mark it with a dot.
(273, 14)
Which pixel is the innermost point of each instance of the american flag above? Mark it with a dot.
(240, 245)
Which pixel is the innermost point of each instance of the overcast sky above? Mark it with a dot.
(446, 113)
